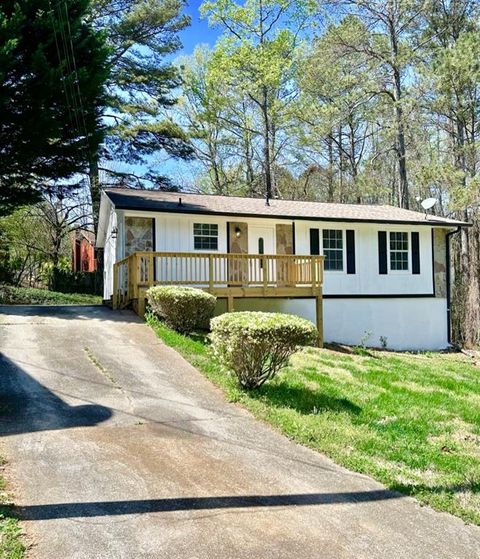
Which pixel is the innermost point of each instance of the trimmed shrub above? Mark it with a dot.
(185, 309)
(256, 345)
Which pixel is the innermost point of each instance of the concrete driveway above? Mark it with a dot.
(120, 449)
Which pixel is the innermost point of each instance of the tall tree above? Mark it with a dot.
(201, 109)
(256, 54)
(141, 34)
(451, 74)
(336, 109)
(220, 120)
(388, 42)
(52, 73)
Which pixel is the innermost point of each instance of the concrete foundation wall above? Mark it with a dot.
(406, 323)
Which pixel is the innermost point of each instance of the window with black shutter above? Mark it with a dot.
(398, 251)
(332, 240)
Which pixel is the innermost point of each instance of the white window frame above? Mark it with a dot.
(344, 252)
(209, 236)
(409, 253)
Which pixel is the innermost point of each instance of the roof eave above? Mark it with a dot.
(296, 217)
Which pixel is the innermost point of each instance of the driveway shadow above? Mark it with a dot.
(28, 406)
(145, 506)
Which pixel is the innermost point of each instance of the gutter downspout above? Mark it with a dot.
(448, 280)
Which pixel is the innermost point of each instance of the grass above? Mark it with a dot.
(411, 421)
(11, 546)
(31, 296)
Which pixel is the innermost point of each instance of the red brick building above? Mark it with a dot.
(83, 251)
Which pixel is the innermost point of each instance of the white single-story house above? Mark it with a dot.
(385, 276)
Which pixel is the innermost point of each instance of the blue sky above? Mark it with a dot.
(198, 32)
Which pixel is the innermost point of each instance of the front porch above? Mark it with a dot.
(225, 275)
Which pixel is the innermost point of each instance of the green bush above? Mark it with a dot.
(184, 309)
(256, 345)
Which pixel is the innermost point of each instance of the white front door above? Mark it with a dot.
(261, 240)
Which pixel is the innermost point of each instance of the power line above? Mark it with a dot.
(71, 90)
(64, 81)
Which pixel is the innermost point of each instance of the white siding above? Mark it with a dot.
(110, 255)
(367, 280)
(406, 322)
(174, 232)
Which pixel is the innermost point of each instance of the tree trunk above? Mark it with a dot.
(403, 201)
(352, 156)
(267, 148)
(330, 182)
(94, 177)
(249, 173)
(217, 182)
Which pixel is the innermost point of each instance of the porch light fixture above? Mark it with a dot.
(114, 233)
(238, 232)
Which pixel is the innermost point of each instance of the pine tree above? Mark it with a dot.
(52, 72)
(141, 87)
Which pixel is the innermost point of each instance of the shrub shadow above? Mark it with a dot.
(303, 399)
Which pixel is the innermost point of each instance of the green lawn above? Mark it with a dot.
(412, 421)
(11, 546)
(30, 296)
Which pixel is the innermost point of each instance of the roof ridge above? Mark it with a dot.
(212, 195)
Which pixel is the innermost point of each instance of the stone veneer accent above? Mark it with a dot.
(439, 262)
(284, 238)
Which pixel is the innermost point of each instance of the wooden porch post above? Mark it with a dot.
(229, 303)
(136, 267)
(116, 271)
(141, 302)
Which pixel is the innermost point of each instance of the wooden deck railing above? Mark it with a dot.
(224, 275)
(214, 272)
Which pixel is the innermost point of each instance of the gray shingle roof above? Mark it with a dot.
(182, 202)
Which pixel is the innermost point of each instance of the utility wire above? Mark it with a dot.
(72, 91)
(60, 58)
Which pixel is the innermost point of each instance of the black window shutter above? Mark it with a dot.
(382, 252)
(415, 253)
(314, 241)
(350, 251)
